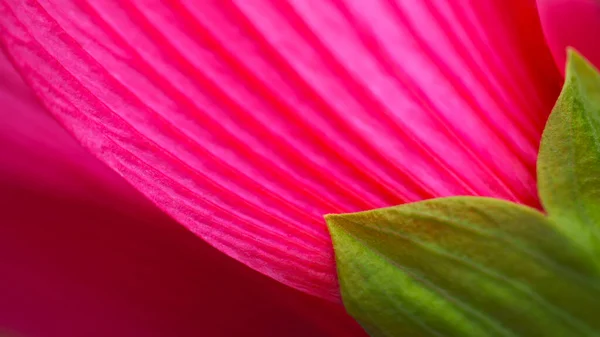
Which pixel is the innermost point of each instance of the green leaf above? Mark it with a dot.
(463, 266)
(468, 266)
(569, 159)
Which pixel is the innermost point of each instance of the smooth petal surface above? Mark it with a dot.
(83, 254)
(571, 23)
(246, 121)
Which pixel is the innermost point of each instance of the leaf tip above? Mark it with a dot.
(333, 220)
(578, 65)
(336, 223)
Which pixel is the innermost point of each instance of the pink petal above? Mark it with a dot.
(248, 121)
(37, 151)
(571, 23)
(82, 253)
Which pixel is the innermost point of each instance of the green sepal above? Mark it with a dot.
(463, 266)
(569, 158)
(469, 266)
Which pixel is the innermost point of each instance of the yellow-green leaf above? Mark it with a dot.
(569, 158)
(463, 266)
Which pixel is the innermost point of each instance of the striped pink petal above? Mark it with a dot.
(246, 121)
(83, 254)
(571, 23)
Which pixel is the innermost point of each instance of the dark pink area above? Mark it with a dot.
(572, 23)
